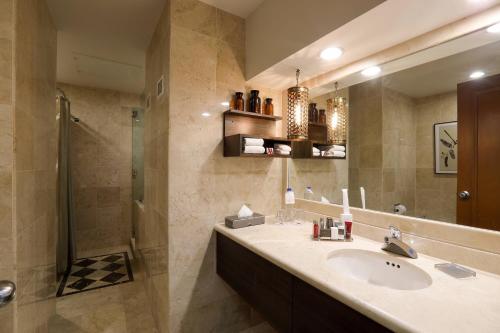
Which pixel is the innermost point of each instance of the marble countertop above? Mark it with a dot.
(448, 305)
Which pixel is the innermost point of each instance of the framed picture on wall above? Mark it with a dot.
(445, 148)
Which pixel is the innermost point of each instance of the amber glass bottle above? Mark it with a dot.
(269, 107)
(239, 103)
(254, 102)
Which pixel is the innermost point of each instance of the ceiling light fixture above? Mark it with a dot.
(205, 114)
(494, 29)
(476, 75)
(371, 71)
(331, 53)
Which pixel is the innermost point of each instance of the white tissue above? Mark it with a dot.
(324, 200)
(245, 212)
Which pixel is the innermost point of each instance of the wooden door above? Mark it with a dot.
(479, 151)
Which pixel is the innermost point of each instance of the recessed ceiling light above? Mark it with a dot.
(494, 29)
(371, 71)
(205, 114)
(331, 53)
(476, 75)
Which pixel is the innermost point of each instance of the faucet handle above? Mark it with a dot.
(394, 232)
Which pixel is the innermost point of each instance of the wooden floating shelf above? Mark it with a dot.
(252, 115)
(262, 126)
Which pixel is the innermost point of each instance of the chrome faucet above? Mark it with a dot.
(394, 243)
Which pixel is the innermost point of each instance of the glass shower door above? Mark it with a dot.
(138, 154)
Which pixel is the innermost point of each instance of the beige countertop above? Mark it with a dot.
(448, 305)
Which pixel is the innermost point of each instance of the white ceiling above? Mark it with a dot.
(103, 43)
(386, 25)
(241, 8)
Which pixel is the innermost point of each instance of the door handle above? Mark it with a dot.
(464, 195)
(7, 292)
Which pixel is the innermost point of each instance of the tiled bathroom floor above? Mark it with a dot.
(96, 272)
(122, 308)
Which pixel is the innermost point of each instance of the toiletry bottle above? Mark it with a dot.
(289, 202)
(346, 215)
(315, 230)
(308, 193)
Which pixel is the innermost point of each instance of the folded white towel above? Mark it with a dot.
(281, 152)
(254, 150)
(316, 150)
(335, 153)
(254, 142)
(282, 147)
(338, 148)
(332, 148)
(316, 154)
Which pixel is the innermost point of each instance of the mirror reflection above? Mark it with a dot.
(404, 137)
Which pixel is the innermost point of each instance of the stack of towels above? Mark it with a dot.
(334, 151)
(253, 146)
(316, 152)
(281, 149)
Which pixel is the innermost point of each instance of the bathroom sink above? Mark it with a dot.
(379, 269)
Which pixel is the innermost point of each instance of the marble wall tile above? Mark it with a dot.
(431, 110)
(6, 70)
(190, 186)
(35, 137)
(101, 155)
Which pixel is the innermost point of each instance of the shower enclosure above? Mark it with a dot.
(138, 154)
(66, 249)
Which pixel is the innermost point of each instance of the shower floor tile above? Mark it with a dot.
(96, 272)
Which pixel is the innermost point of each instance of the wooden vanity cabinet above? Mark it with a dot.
(286, 302)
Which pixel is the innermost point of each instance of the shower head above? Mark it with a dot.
(75, 119)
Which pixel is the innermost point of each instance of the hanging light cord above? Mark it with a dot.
(297, 74)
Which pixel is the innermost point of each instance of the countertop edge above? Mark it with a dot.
(342, 296)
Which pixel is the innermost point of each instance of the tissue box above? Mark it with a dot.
(235, 222)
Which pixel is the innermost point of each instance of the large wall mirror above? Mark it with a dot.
(423, 136)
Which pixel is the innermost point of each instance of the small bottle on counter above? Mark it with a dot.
(315, 230)
(348, 229)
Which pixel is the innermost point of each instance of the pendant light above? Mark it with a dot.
(297, 118)
(337, 118)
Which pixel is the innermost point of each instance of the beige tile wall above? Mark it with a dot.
(366, 143)
(7, 227)
(101, 157)
(34, 174)
(398, 151)
(435, 194)
(189, 185)
(152, 235)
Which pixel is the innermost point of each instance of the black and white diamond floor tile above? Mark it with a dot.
(96, 272)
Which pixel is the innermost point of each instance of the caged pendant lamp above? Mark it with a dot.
(337, 119)
(297, 117)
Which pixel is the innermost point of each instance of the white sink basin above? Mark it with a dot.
(379, 269)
